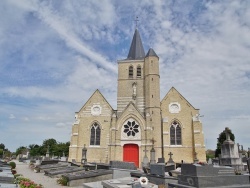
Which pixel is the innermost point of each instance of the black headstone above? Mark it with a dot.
(157, 169)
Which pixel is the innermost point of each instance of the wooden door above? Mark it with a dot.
(131, 153)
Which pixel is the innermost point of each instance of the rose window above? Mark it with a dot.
(131, 128)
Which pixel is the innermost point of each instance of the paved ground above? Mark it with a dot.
(47, 182)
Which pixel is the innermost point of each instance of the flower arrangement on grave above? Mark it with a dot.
(26, 183)
(13, 171)
(237, 172)
(31, 165)
(63, 181)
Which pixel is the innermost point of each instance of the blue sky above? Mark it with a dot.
(55, 54)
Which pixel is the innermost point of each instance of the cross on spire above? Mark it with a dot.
(136, 21)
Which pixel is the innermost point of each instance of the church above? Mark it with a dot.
(141, 121)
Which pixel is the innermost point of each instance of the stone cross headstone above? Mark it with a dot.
(145, 162)
(152, 152)
(47, 153)
(84, 155)
(170, 160)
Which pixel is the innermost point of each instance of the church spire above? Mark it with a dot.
(136, 50)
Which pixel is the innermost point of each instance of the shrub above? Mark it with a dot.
(63, 181)
(12, 165)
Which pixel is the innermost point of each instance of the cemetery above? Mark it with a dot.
(227, 171)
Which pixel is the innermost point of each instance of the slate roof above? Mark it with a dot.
(151, 52)
(136, 51)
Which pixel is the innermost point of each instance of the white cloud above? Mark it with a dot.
(12, 116)
(54, 56)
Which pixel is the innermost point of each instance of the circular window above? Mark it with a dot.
(131, 128)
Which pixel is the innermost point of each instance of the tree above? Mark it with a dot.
(34, 150)
(20, 150)
(1, 153)
(210, 154)
(49, 143)
(2, 146)
(62, 148)
(221, 139)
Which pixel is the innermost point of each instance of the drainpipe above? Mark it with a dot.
(162, 143)
(193, 143)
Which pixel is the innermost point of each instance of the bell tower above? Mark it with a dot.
(131, 77)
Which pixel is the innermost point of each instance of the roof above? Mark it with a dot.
(151, 52)
(136, 51)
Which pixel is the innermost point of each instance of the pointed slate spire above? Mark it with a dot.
(136, 50)
(151, 52)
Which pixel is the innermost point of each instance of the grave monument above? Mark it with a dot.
(230, 153)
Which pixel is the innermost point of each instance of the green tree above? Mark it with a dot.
(49, 143)
(1, 153)
(62, 148)
(221, 139)
(20, 150)
(34, 150)
(2, 146)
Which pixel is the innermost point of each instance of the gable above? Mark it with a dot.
(96, 105)
(131, 112)
(174, 102)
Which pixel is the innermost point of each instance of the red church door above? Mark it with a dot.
(131, 153)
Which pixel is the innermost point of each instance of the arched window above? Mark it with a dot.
(130, 72)
(95, 134)
(139, 71)
(175, 134)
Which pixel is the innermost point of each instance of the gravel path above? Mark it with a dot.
(39, 178)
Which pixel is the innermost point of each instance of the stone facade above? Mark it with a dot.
(141, 120)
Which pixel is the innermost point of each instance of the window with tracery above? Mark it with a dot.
(175, 133)
(138, 71)
(130, 72)
(95, 134)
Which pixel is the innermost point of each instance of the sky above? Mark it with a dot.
(55, 54)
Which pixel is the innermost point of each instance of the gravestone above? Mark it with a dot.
(78, 178)
(122, 169)
(126, 182)
(230, 154)
(60, 171)
(6, 177)
(152, 156)
(195, 175)
(157, 169)
(159, 176)
(123, 165)
(145, 162)
(41, 168)
(170, 160)
(215, 161)
(248, 165)
(210, 162)
(8, 185)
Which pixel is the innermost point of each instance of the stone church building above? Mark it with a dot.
(142, 121)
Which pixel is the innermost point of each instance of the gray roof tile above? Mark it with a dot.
(136, 50)
(151, 52)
